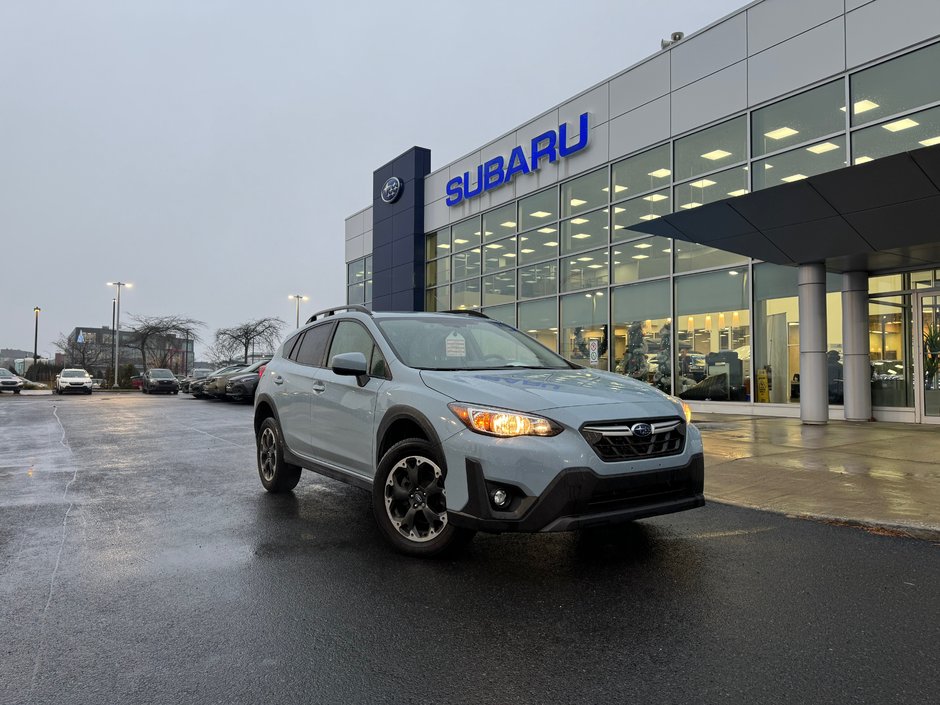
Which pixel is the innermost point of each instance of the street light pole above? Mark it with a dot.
(36, 311)
(298, 298)
(117, 327)
(113, 308)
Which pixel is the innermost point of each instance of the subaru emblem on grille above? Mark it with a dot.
(642, 430)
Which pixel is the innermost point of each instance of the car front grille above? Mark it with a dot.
(615, 441)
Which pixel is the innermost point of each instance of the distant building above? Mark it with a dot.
(93, 349)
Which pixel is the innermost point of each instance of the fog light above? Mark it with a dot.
(499, 497)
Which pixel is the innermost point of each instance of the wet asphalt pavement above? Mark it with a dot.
(141, 562)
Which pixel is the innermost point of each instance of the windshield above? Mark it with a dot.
(465, 344)
(161, 374)
(4, 372)
(74, 373)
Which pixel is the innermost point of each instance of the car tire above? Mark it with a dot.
(16, 391)
(276, 474)
(409, 501)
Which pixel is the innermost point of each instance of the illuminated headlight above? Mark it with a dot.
(686, 409)
(502, 423)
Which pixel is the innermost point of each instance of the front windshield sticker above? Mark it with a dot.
(455, 345)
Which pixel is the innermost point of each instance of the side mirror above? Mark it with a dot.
(351, 364)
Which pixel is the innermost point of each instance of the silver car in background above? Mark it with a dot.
(457, 423)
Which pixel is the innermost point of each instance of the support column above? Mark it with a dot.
(814, 384)
(855, 358)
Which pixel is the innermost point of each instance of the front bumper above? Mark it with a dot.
(84, 388)
(580, 498)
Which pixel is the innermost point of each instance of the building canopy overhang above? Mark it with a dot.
(879, 216)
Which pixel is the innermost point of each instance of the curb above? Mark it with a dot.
(882, 528)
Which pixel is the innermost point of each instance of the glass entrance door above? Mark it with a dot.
(927, 355)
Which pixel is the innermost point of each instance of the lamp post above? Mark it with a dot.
(117, 326)
(298, 298)
(36, 311)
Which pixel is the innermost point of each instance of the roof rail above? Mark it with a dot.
(469, 312)
(332, 311)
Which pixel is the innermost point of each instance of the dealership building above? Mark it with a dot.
(748, 218)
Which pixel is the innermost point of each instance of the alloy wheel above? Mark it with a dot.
(267, 454)
(415, 498)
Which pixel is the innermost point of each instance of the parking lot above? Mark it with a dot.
(141, 561)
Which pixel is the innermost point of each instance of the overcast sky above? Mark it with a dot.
(209, 150)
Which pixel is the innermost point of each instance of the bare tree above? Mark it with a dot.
(220, 353)
(85, 354)
(265, 333)
(151, 335)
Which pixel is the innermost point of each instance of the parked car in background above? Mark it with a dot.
(73, 380)
(160, 381)
(198, 373)
(215, 387)
(241, 386)
(96, 382)
(9, 382)
(137, 381)
(198, 387)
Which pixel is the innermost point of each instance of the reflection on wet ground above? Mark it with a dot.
(141, 562)
(880, 473)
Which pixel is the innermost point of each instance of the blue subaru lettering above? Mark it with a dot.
(471, 192)
(498, 171)
(563, 148)
(493, 173)
(454, 191)
(538, 152)
(517, 164)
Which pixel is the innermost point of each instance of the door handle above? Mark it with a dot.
(278, 379)
(318, 388)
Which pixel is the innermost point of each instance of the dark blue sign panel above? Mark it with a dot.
(398, 232)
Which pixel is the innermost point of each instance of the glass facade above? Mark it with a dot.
(567, 265)
(359, 281)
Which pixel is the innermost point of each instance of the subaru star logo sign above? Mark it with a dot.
(641, 430)
(391, 190)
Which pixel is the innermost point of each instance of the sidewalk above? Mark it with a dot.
(884, 475)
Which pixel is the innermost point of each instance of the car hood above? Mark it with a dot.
(540, 390)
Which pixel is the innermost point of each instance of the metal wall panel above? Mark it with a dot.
(639, 128)
(354, 226)
(708, 52)
(355, 248)
(797, 62)
(436, 215)
(595, 154)
(640, 85)
(594, 101)
(884, 26)
(435, 185)
(774, 21)
(713, 97)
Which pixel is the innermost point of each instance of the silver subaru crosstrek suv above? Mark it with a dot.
(456, 423)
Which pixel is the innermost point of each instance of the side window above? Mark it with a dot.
(351, 337)
(378, 368)
(311, 348)
(290, 345)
